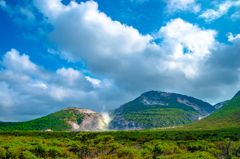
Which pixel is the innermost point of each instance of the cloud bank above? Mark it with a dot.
(121, 63)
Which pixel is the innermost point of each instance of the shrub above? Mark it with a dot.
(28, 155)
(3, 153)
(146, 154)
(41, 150)
(149, 146)
(55, 152)
(13, 152)
(215, 152)
(130, 153)
(165, 148)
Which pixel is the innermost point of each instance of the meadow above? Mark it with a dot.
(144, 144)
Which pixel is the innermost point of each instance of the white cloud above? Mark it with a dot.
(25, 92)
(73, 79)
(187, 44)
(236, 15)
(90, 28)
(232, 38)
(183, 5)
(94, 81)
(40, 85)
(197, 41)
(69, 74)
(211, 14)
(12, 60)
(13, 77)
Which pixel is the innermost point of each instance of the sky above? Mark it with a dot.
(100, 54)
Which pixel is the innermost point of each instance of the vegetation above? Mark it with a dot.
(172, 114)
(228, 116)
(145, 144)
(55, 121)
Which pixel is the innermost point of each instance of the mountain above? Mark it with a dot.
(1, 121)
(219, 105)
(70, 119)
(228, 116)
(158, 109)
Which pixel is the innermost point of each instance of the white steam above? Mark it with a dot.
(105, 116)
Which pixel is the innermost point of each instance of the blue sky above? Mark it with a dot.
(56, 54)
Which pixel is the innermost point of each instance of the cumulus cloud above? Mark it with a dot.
(73, 79)
(222, 9)
(83, 26)
(20, 63)
(179, 58)
(27, 87)
(187, 43)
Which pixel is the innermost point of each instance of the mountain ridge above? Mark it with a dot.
(156, 108)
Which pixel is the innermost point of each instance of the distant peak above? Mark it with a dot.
(151, 92)
(80, 110)
(156, 93)
(72, 108)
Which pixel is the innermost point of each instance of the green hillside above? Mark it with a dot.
(55, 121)
(159, 115)
(228, 116)
(158, 109)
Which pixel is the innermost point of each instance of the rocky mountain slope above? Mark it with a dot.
(228, 116)
(158, 109)
(219, 105)
(70, 119)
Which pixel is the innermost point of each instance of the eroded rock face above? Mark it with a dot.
(91, 121)
(163, 98)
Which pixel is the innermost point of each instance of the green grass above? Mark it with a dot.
(55, 121)
(228, 116)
